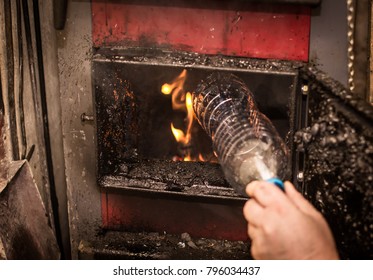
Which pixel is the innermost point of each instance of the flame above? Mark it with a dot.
(178, 134)
(166, 89)
(190, 115)
(176, 88)
(181, 101)
(188, 158)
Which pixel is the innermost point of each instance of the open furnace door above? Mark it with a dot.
(336, 167)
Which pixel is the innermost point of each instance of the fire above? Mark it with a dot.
(176, 88)
(200, 157)
(190, 115)
(166, 89)
(181, 101)
(179, 135)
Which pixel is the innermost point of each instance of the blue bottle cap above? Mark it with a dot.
(277, 182)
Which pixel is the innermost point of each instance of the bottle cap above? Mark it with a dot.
(277, 182)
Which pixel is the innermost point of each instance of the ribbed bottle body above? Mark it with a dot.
(246, 143)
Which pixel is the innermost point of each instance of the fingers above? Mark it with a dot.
(253, 212)
(252, 231)
(264, 193)
(297, 199)
(258, 244)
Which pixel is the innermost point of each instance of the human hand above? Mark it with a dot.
(284, 225)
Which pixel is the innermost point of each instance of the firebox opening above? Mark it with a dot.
(136, 147)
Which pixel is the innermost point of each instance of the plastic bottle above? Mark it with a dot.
(246, 143)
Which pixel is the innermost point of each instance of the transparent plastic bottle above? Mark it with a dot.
(246, 143)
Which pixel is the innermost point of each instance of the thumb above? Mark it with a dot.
(298, 200)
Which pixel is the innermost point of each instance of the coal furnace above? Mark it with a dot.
(118, 165)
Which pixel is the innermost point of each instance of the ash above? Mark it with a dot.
(154, 245)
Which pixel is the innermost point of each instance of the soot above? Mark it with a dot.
(338, 145)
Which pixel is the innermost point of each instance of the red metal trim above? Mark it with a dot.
(199, 219)
(104, 210)
(259, 31)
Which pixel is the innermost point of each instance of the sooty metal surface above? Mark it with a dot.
(166, 176)
(338, 175)
(161, 246)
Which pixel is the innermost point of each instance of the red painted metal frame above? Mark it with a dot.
(258, 30)
(173, 215)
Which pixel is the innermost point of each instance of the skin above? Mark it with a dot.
(284, 225)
